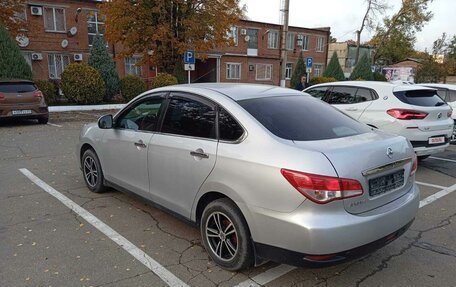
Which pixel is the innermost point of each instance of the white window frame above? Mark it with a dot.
(318, 69)
(305, 42)
(288, 71)
(54, 19)
(230, 75)
(273, 39)
(54, 67)
(233, 34)
(131, 67)
(97, 23)
(320, 44)
(290, 41)
(267, 70)
(28, 58)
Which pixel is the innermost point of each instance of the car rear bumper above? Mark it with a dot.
(36, 111)
(312, 230)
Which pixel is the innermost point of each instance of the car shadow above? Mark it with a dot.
(10, 123)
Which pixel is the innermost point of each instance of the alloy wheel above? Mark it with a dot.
(90, 171)
(222, 236)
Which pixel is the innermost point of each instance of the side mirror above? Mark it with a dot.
(105, 122)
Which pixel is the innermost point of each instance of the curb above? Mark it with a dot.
(53, 109)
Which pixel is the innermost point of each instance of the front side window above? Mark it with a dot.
(263, 72)
(95, 25)
(233, 71)
(132, 66)
(341, 95)
(142, 117)
(56, 64)
(288, 71)
(189, 118)
(273, 40)
(229, 129)
(54, 19)
(320, 44)
(290, 41)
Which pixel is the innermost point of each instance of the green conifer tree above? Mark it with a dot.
(362, 70)
(298, 72)
(334, 69)
(104, 64)
(12, 63)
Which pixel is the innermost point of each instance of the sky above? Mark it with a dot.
(344, 17)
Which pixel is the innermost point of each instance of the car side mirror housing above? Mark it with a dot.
(105, 122)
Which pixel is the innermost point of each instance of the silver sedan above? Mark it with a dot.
(267, 173)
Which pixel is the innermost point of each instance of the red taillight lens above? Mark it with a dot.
(38, 94)
(403, 114)
(414, 165)
(322, 189)
(450, 112)
(2, 96)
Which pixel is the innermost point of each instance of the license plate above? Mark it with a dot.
(21, 112)
(386, 183)
(436, 140)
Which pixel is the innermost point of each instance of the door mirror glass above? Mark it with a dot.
(105, 122)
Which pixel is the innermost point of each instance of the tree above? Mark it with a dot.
(166, 29)
(10, 11)
(363, 70)
(334, 69)
(397, 35)
(12, 63)
(298, 72)
(430, 71)
(104, 64)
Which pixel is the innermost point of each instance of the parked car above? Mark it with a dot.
(448, 93)
(414, 112)
(22, 99)
(266, 172)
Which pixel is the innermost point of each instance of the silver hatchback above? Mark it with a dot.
(267, 173)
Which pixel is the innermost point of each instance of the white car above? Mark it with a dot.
(412, 111)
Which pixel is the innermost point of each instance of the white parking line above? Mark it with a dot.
(444, 159)
(54, 125)
(168, 277)
(277, 272)
(430, 185)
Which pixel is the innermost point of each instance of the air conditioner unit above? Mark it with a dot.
(36, 10)
(243, 32)
(77, 57)
(37, 56)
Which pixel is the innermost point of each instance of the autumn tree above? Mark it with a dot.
(430, 71)
(10, 11)
(334, 69)
(163, 30)
(12, 63)
(394, 39)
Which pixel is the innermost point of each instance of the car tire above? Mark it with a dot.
(423, 157)
(226, 236)
(43, 121)
(92, 172)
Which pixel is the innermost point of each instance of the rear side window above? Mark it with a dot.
(451, 96)
(302, 118)
(17, 87)
(364, 95)
(229, 129)
(341, 96)
(317, 92)
(423, 98)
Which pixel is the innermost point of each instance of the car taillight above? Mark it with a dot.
(450, 112)
(414, 165)
(322, 189)
(38, 94)
(2, 96)
(403, 114)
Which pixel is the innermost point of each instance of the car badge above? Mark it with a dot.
(439, 115)
(389, 152)
(19, 96)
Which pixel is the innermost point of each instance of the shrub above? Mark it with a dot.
(104, 64)
(131, 86)
(82, 84)
(12, 63)
(49, 91)
(321, 80)
(334, 69)
(379, 77)
(362, 70)
(163, 79)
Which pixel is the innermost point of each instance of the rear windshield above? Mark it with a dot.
(423, 98)
(302, 118)
(17, 87)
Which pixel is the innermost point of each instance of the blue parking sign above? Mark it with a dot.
(309, 62)
(189, 57)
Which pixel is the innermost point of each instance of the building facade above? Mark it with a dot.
(346, 53)
(61, 32)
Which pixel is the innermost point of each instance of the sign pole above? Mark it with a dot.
(189, 81)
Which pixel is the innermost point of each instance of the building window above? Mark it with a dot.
(273, 39)
(288, 71)
(132, 67)
(305, 42)
(233, 71)
(56, 64)
(318, 70)
(95, 25)
(233, 34)
(320, 44)
(290, 41)
(263, 72)
(28, 58)
(54, 19)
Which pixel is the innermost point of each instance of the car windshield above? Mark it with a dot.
(302, 118)
(423, 98)
(18, 87)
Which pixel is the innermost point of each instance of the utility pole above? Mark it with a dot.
(284, 9)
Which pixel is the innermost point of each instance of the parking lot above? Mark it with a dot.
(55, 232)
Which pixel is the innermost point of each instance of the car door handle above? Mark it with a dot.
(199, 153)
(352, 109)
(140, 143)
